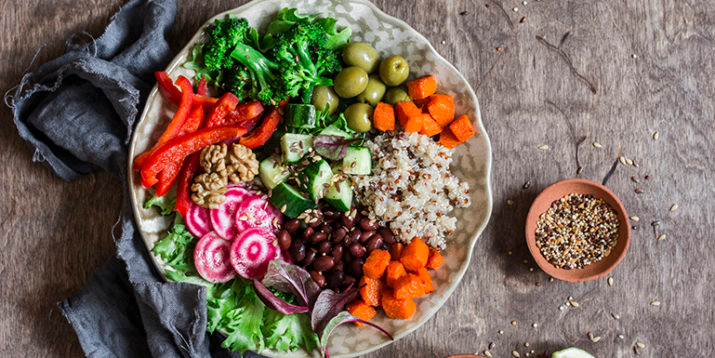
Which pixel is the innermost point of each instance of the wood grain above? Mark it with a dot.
(613, 71)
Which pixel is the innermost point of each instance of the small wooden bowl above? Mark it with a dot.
(580, 186)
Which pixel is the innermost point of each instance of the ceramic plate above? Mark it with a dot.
(472, 161)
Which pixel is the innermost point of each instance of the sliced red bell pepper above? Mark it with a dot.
(193, 123)
(202, 87)
(174, 95)
(167, 178)
(225, 104)
(183, 186)
(261, 134)
(176, 124)
(244, 114)
(177, 149)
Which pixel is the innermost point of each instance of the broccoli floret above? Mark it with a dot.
(223, 35)
(302, 54)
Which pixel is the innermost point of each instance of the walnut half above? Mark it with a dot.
(242, 164)
(208, 190)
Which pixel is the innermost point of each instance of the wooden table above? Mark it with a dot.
(546, 73)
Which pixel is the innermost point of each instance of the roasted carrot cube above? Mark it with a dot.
(414, 255)
(430, 127)
(462, 128)
(415, 123)
(441, 108)
(361, 310)
(371, 290)
(422, 87)
(404, 110)
(447, 139)
(409, 286)
(395, 308)
(375, 265)
(426, 279)
(383, 117)
(434, 260)
(396, 250)
(395, 270)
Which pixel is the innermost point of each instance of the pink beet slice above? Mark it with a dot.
(197, 220)
(223, 218)
(212, 258)
(258, 212)
(251, 252)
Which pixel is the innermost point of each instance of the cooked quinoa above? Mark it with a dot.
(411, 188)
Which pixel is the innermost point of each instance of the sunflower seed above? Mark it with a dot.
(674, 207)
(635, 218)
(596, 339)
(487, 353)
(661, 237)
(640, 344)
(515, 354)
(622, 160)
(629, 161)
(656, 134)
(573, 303)
(544, 147)
(655, 303)
(597, 145)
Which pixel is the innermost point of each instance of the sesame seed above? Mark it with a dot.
(574, 303)
(661, 237)
(524, 3)
(674, 207)
(620, 336)
(634, 56)
(597, 145)
(622, 160)
(516, 9)
(640, 344)
(526, 344)
(656, 134)
(655, 303)
(535, 325)
(543, 147)
(513, 323)
(610, 281)
(515, 354)
(596, 339)
(551, 279)
(500, 332)
(635, 218)
(615, 315)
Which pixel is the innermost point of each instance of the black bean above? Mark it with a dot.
(387, 235)
(323, 263)
(353, 237)
(335, 278)
(307, 232)
(356, 250)
(367, 224)
(318, 278)
(324, 247)
(339, 234)
(326, 228)
(366, 235)
(297, 251)
(348, 280)
(318, 237)
(337, 252)
(292, 225)
(355, 267)
(374, 243)
(284, 239)
(346, 221)
(310, 256)
(339, 265)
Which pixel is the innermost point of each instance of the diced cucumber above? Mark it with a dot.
(290, 201)
(272, 171)
(295, 146)
(317, 179)
(340, 195)
(357, 161)
(300, 115)
(333, 130)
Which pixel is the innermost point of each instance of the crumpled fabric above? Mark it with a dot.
(77, 113)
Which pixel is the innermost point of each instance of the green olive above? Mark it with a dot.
(394, 70)
(374, 91)
(359, 116)
(361, 55)
(350, 82)
(395, 95)
(324, 95)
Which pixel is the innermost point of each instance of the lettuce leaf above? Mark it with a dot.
(335, 39)
(241, 318)
(165, 203)
(289, 332)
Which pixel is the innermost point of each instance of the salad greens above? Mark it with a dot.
(233, 307)
(297, 53)
(165, 203)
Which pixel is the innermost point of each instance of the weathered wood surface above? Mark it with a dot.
(614, 71)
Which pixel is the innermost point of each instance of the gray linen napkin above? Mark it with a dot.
(77, 113)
